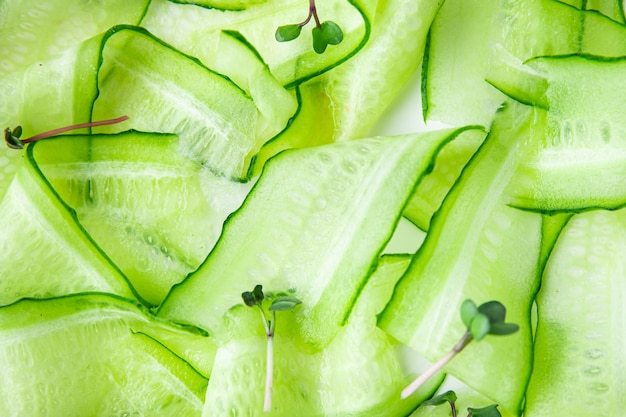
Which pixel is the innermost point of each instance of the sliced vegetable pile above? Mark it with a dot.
(219, 156)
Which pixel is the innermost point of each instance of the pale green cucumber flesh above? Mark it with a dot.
(305, 228)
(471, 40)
(166, 91)
(580, 162)
(580, 343)
(32, 31)
(291, 63)
(81, 355)
(64, 259)
(156, 213)
(477, 248)
(361, 89)
(358, 374)
(433, 188)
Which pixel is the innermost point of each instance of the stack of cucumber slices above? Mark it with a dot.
(129, 251)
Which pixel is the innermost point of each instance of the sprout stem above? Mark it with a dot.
(436, 367)
(54, 132)
(269, 364)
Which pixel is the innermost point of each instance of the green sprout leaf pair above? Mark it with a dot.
(328, 33)
(488, 318)
(324, 34)
(450, 398)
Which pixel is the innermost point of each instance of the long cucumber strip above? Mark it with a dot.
(63, 260)
(166, 91)
(47, 95)
(33, 31)
(291, 62)
(155, 213)
(477, 248)
(359, 373)
(471, 39)
(581, 162)
(84, 355)
(579, 350)
(306, 228)
(361, 89)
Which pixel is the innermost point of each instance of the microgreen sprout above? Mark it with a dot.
(255, 298)
(450, 398)
(324, 33)
(12, 137)
(488, 318)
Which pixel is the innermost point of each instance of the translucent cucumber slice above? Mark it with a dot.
(221, 4)
(312, 125)
(32, 31)
(581, 162)
(81, 356)
(306, 228)
(579, 350)
(359, 374)
(433, 188)
(51, 94)
(155, 213)
(166, 91)
(362, 88)
(44, 250)
(290, 62)
(477, 248)
(472, 39)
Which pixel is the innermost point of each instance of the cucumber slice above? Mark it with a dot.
(305, 228)
(221, 4)
(477, 248)
(154, 212)
(581, 162)
(470, 40)
(81, 355)
(358, 374)
(32, 31)
(64, 259)
(433, 188)
(290, 62)
(579, 350)
(361, 89)
(312, 125)
(51, 94)
(166, 91)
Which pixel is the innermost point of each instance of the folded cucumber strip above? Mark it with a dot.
(45, 251)
(33, 31)
(47, 95)
(361, 89)
(579, 350)
(306, 228)
(166, 91)
(433, 188)
(290, 62)
(581, 162)
(88, 355)
(312, 125)
(470, 40)
(155, 213)
(360, 373)
(477, 248)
